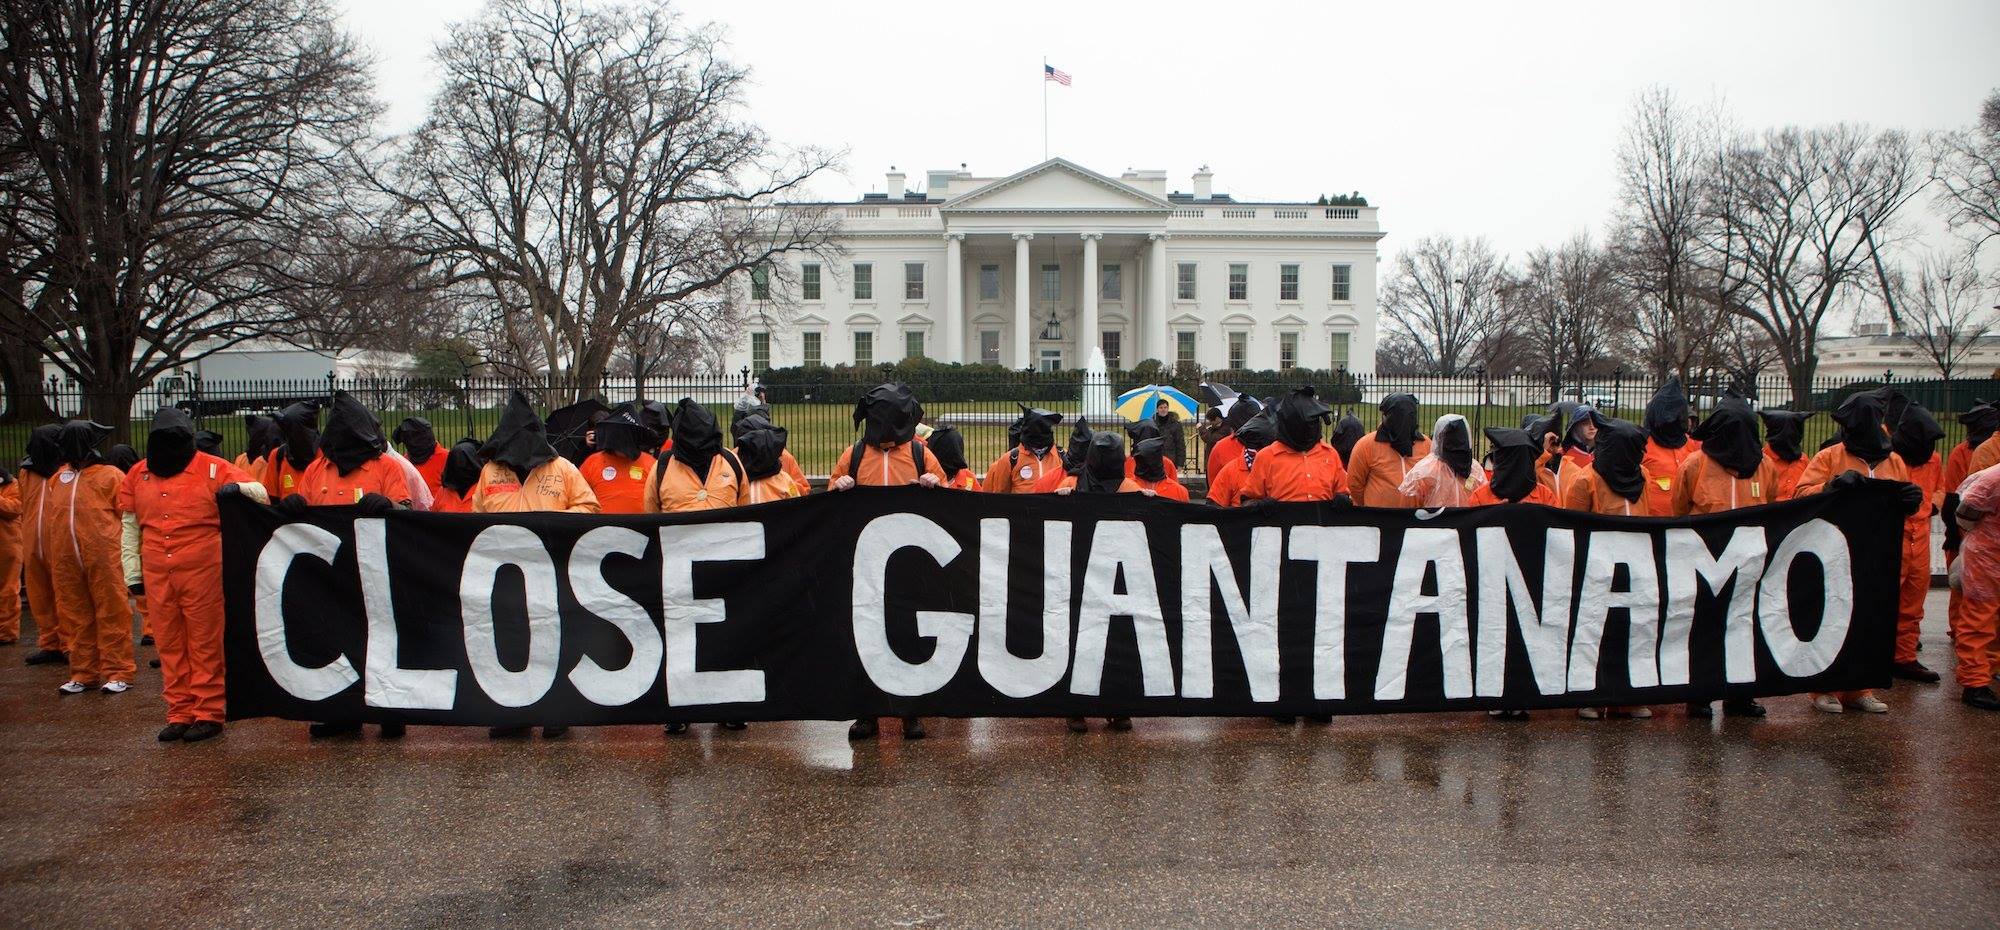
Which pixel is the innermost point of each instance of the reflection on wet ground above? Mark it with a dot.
(1799, 819)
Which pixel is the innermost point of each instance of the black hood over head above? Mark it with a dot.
(520, 441)
(747, 425)
(1103, 464)
(1301, 419)
(461, 467)
(1038, 428)
(1980, 423)
(762, 452)
(170, 444)
(888, 414)
(44, 450)
(1014, 431)
(1621, 447)
(1917, 436)
(697, 437)
(353, 437)
(621, 434)
(418, 441)
(1261, 431)
(948, 444)
(1894, 404)
(1860, 419)
(1149, 459)
(1141, 431)
(207, 440)
(1453, 445)
(1784, 431)
(298, 433)
(654, 416)
(1346, 432)
(122, 457)
(747, 406)
(1399, 423)
(1079, 446)
(1667, 415)
(1513, 453)
(1729, 438)
(260, 436)
(80, 442)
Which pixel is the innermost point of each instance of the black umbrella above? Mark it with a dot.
(566, 426)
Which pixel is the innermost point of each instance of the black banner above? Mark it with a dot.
(881, 602)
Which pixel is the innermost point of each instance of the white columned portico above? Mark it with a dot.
(1086, 317)
(1024, 316)
(951, 338)
(1154, 342)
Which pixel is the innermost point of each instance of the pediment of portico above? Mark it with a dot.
(1057, 186)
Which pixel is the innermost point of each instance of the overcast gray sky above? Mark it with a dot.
(1466, 118)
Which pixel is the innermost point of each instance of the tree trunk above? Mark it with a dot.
(21, 384)
(1800, 374)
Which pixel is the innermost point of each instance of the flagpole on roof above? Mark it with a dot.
(1045, 108)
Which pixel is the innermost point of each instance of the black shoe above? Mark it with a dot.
(172, 732)
(44, 657)
(913, 728)
(676, 729)
(1982, 698)
(554, 732)
(1701, 711)
(393, 730)
(1077, 725)
(1913, 671)
(1285, 719)
(735, 726)
(1320, 718)
(1743, 707)
(146, 640)
(201, 731)
(507, 732)
(862, 729)
(323, 730)
(1121, 724)
(152, 663)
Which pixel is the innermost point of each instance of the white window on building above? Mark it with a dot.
(1110, 284)
(1051, 360)
(1239, 282)
(1288, 282)
(1342, 276)
(1111, 341)
(1184, 278)
(913, 343)
(1184, 347)
(760, 283)
(913, 280)
(760, 353)
(1239, 350)
(1340, 344)
(864, 281)
(989, 282)
(809, 281)
(1051, 282)
(989, 347)
(809, 353)
(864, 348)
(1288, 351)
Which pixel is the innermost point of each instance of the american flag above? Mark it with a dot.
(1049, 73)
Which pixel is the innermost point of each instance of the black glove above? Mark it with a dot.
(1848, 481)
(1342, 501)
(136, 590)
(1953, 536)
(232, 489)
(374, 505)
(1912, 498)
(293, 505)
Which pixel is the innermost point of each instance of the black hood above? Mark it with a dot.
(1980, 423)
(1149, 459)
(948, 444)
(207, 440)
(1513, 453)
(1301, 419)
(1079, 446)
(1621, 447)
(1784, 431)
(1103, 464)
(1260, 431)
(622, 434)
(461, 467)
(521, 441)
(1860, 419)
(79, 442)
(742, 422)
(298, 433)
(1399, 423)
(44, 450)
(697, 436)
(170, 444)
(353, 437)
(655, 417)
(1141, 431)
(1917, 436)
(418, 441)
(890, 413)
(1894, 404)
(1038, 428)
(1729, 438)
(260, 436)
(1667, 415)
(1346, 433)
(747, 406)
(1453, 446)
(122, 457)
(565, 427)
(761, 450)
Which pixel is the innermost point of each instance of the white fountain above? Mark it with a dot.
(1097, 389)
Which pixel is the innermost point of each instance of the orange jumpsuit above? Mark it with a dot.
(1973, 626)
(776, 487)
(1225, 449)
(450, 501)
(1484, 496)
(180, 554)
(790, 466)
(282, 480)
(886, 467)
(1957, 468)
(10, 562)
(965, 480)
(1165, 487)
(85, 543)
(254, 469)
(1225, 480)
(1705, 487)
(554, 485)
(1282, 473)
(1916, 580)
(1788, 472)
(675, 488)
(1167, 464)
(323, 485)
(1662, 466)
(1984, 457)
(1019, 471)
(1586, 491)
(433, 470)
(1832, 462)
(618, 482)
(1375, 472)
(1125, 485)
(37, 526)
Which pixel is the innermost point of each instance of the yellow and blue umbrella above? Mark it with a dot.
(1142, 403)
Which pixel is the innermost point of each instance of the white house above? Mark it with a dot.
(1035, 268)
(1873, 349)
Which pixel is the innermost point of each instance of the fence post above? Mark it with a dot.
(1479, 409)
(465, 400)
(329, 387)
(1617, 390)
(200, 408)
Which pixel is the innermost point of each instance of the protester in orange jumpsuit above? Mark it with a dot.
(1863, 451)
(1667, 444)
(297, 448)
(1233, 411)
(83, 543)
(948, 444)
(1346, 432)
(617, 471)
(420, 447)
(523, 473)
(1612, 484)
(1149, 470)
(699, 474)
(1577, 442)
(1299, 466)
(1136, 433)
(1382, 459)
(1979, 421)
(1447, 477)
(260, 436)
(1784, 436)
(1103, 472)
(1227, 477)
(1514, 463)
(1080, 437)
(460, 476)
(1728, 472)
(1547, 433)
(123, 457)
(752, 413)
(173, 555)
(1022, 467)
(38, 470)
(888, 455)
(10, 558)
(1976, 578)
(1915, 441)
(762, 453)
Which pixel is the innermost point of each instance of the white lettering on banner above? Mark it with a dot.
(274, 562)
(599, 685)
(494, 548)
(1689, 563)
(1009, 674)
(1423, 550)
(389, 684)
(1641, 600)
(1118, 548)
(1333, 548)
(1774, 607)
(879, 540)
(1544, 632)
(680, 548)
(1205, 568)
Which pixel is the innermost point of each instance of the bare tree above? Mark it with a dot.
(593, 169)
(1966, 166)
(175, 150)
(1568, 304)
(1444, 301)
(358, 291)
(1946, 309)
(1664, 162)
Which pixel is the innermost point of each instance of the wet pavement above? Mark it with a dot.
(1801, 819)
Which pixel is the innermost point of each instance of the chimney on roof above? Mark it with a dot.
(895, 183)
(1204, 184)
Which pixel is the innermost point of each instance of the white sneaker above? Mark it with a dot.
(1828, 703)
(1871, 704)
(1642, 713)
(1589, 713)
(72, 687)
(116, 687)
